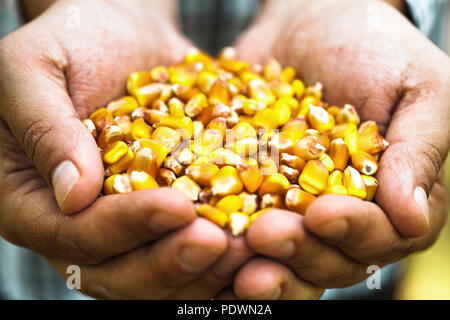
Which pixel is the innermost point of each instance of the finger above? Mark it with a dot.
(158, 270)
(40, 114)
(419, 137)
(281, 235)
(112, 225)
(362, 230)
(221, 274)
(263, 279)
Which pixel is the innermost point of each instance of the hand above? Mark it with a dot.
(367, 54)
(147, 244)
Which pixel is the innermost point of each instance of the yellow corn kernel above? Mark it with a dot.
(251, 162)
(243, 130)
(144, 160)
(348, 114)
(336, 178)
(101, 118)
(160, 105)
(334, 189)
(371, 143)
(272, 70)
(304, 105)
(122, 106)
(196, 104)
(249, 202)
(339, 153)
(275, 184)
(109, 184)
(182, 124)
(327, 161)
(265, 119)
(230, 204)
(245, 147)
(205, 81)
(159, 74)
(343, 130)
(115, 151)
(309, 148)
(354, 183)
(89, 124)
(351, 140)
(281, 143)
(109, 134)
(251, 106)
(168, 137)
(165, 177)
(194, 54)
(271, 201)
(292, 103)
(258, 90)
(296, 127)
(157, 147)
(211, 140)
(283, 111)
(202, 173)
(298, 200)
(176, 108)
(238, 223)
(320, 119)
(197, 131)
(299, 88)
(182, 76)
(364, 162)
(147, 94)
(292, 161)
(154, 116)
(219, 92)
(315, 91)
(368, 127)
(187, 186)
(219, 124)
(141, 130)
(246, 76)
(251, 177)
(173, 164)
(184, 155)
(226, 182)
(225, 157)
(141, 180)
(268, 165)
(233, 65)
(213, 214)
(371, 186)
(213, 111)
(124, 124)
(183, 92)
(137, 80)
(121, 184)
(314, 177)
(288, 74)
(122, 164)
(281, 89)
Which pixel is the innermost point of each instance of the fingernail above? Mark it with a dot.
(420, 196)
(275, 294)
(196, 259)
(333, 230)
(64, 178)
(283, 249)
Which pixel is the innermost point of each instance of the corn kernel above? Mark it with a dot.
(196, 104)
(364, 162)
(144, 160)
(272, 70)
(168, 137)
(173, 164)
(371, 186)
(101, 118)
(309, 148)
(251, 106)
(288, 74)
(249, 203)
(213, 214)
(298, 200)
(336, 178)
(299, 88)
(320, 119)
(89, 124)
(265, 119)
(226, 182)
(314, 177)
(283, 111)
(334, 189)
(219, 92)
(141, 180)
(140, 130)
(176, 108)
(339, 153)
(274, 184)
(271, 201)
(202, 173)
(230, 204)
(238, 223)
(294, 162)
(146, 95)
(354, 183)
(115, 151)
(122, 164)
(225, 157)
(182, 124)
(109, 134)
(187, 186)
(159, 74)
(327, 161)
(368, 127)
(166, 177)
(258, 90)
(348, 114)
(122, 106)
(158, 148)
(296, 127)
(371, 143)
(137, 80)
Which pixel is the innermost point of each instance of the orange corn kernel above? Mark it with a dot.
(173, 164)
(147, 94)
(364, 162)
(271, 201)
(348, 114)
(272, 70)
(274, 184)
(196, 104)
(158, 148)
(371, 143)
(213, 214)
(176, 107)
(265, 119)
(202, 173)
(101, 118)
(219, 92)
(368, 127)
(292, 161)
(251, 177)
(109, 134)
(298, 200)
(144, 160)
(309, 148)
(226, 182)
(320, 119)
(165, 177)
(122, 106)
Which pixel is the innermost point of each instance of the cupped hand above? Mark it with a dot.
(55, 71)
(367, 54)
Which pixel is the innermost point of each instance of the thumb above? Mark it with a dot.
(40, 114)
(419, 134)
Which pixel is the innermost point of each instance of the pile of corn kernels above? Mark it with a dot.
(236, 138)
